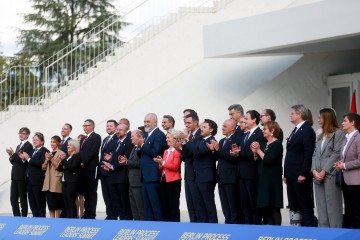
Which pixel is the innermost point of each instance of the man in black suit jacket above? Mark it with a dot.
(65, 134)
(248, 169)
(108, 145)
(299, 150)
(151, 147)
(118, 175)
(192, 194)
(89, 154)
(36, 175)
(18, 177)
(227, 172)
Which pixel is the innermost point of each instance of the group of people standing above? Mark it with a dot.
(140, 171)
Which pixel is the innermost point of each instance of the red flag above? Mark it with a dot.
(353, 103)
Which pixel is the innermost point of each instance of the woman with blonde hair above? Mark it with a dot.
(71, 168)
(171, 178)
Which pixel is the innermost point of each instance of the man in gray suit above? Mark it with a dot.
(134, 172)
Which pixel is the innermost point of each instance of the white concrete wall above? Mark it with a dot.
(165, 75)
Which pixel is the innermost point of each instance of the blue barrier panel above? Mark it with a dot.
(51, 229)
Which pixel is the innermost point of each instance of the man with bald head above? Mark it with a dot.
(227, 172)
(152, 146)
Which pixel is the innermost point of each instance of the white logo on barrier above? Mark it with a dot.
(31, 230)
(80, 232)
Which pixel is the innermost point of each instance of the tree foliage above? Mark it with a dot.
(57, 23)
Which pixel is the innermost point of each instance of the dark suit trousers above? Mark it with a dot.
(120, 201)
(248, 198)
(352, 205)
(37, 200)
(207, 197)
(192, 198)
(18, 190)
(70, 191)
(105, 188)
(90, 185)
(137, 203)
(300, 199)
(152, 201)
(229, 199)
(170, 193)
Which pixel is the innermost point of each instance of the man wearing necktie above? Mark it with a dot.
(108, 145)
(89, 154)
(227, 173)
(248, 168)
(118, 183)
(18, 183)
(36, 175)
(65, 134)
(297, 167)
(153, 146)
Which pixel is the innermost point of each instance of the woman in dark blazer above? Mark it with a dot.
(270, 189)
(71, 168)
(327, 151)
(171, 178)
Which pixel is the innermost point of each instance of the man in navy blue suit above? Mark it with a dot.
(205, 171)
(152, 146)
(248, 169)
(299, 150)
(236, 112)
(227, 172)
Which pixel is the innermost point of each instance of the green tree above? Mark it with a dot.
(57, 23)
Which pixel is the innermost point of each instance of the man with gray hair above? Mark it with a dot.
(299, 150)
(151, 146)
(236, 112)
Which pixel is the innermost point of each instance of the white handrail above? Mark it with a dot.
(78, 58)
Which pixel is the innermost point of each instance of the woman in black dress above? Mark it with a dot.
(71, 168)
(270, 190)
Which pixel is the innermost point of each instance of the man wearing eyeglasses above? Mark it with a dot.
(18, 183)
(89, 154)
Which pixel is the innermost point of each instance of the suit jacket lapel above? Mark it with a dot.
(327, 141)
(350, 142)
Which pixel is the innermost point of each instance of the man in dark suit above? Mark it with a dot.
(118, 175)
(107, 147)
(152, 146)
(65, 134)
(192, 134)
(268, 115)
(36, 175)
(134, 176)
(89, 154)
(236, 112)
(248, 169)
(18, 176)
(299, 150)
(205, 171)
(227, 172)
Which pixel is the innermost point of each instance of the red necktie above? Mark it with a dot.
(84, 141)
